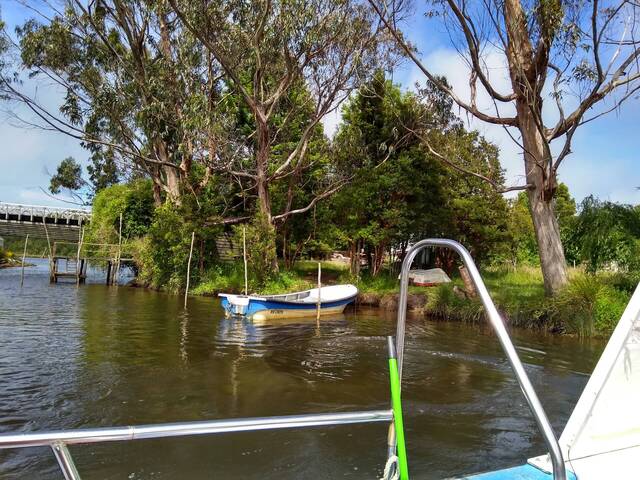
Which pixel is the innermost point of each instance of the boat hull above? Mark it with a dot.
(265, 310)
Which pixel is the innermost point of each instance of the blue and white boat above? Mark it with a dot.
(333, 299)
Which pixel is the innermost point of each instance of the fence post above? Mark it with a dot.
(24, 254)
(186, 291)
(244, 256)
(319, 290)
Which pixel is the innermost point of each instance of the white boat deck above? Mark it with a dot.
(602, 437)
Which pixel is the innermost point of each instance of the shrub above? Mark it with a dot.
(4, 256)
(164, 253)
(442, 302)
(134, 201)
(222, 278)
(590, 304)
(609, 306)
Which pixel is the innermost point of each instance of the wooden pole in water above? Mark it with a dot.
(244, 256)
(319, 290)
(78, 266)
(52, 274)
(186, 291)
(116, 274)
(24, 254)
(47, 234)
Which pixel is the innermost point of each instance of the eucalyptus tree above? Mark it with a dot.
(401, 191)
(267, 51)
(134, 84)
(575, 54)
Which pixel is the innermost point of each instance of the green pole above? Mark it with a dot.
(396, 405)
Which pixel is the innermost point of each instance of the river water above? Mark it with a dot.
(93, 356)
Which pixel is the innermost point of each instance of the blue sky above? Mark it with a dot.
(604, 159)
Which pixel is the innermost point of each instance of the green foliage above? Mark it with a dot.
(163, 253)
(5, 256)
(610, 304)
(590, 303)
(475, 214)
(261, 252)
(134, 201)
(606, 234)
(400, 190)
(285, 281)
(68, 176)
(523, 248)
(522, 243)
(38, 247)
(576, 303)
(230, 278)
(222, 277)
(444, 303)
(132, 86)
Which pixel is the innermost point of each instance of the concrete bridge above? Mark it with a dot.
(61, 223)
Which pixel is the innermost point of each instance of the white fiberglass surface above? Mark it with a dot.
(606, 420)
(331, 293)
(607, 416)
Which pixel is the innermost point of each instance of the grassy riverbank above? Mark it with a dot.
(7, 259)
(590, 305)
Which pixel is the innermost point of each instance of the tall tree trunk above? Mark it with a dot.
(527, 83)
(542, 186)
(171, 183)
(157, 186)
(262, 184)
(262, 173)
(355, 257)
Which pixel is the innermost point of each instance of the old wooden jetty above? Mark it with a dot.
(74, 267)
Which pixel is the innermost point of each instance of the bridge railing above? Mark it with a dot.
(22, 213)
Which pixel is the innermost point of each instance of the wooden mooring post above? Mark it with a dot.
(186, 290)
(244, 258)
(24, 254)
(79, 265)
(319, 302)
(115, 274)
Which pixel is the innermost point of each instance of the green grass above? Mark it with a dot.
(230, 278)
(589, 305)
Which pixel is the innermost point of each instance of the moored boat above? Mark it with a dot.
(333, 299)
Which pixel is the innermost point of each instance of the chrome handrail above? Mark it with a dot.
(559, 471)
(58, 440)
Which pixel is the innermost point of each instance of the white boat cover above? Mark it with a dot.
(602, 437)
(432, 276)
(330, 293)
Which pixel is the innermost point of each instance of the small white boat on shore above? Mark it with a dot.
(332, 299)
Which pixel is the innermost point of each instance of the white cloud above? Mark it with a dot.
(449, 63)
(583, 170)
(30, 155)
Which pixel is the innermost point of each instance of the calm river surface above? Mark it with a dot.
(98, 356)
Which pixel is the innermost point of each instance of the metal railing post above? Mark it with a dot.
(559, 471)
(65, 461)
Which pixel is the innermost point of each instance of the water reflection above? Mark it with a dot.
(94, 355)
